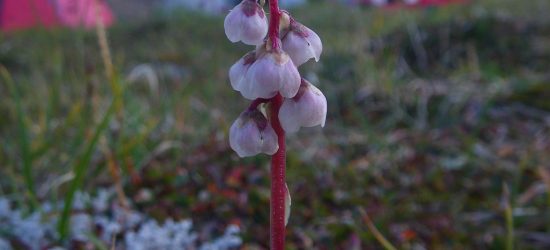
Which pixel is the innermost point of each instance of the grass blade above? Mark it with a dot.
(98, 244)
(509, 217)
(80, 169)
(379, 237)
(23, 136)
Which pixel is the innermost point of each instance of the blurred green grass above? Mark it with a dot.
(431, 112)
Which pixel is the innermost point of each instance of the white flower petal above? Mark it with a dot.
(270, 143)
(236, 75)
(255, 30)
(238, 71)
(289, 116)
(244, 138)
(290, 80)
(232, 25)
(263, 78)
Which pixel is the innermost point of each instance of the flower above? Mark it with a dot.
(252, 134)
(273, 72)
(307, 109)
(247, 23)
(302, 43)
(262, 74)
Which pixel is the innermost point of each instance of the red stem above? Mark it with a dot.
(278, 163)
(274, 22)
(278, 160)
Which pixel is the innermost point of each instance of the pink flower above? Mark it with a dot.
(273, 72)
(262, 74)
(302, 44)
(307, 109)
(252, 134)
(247, 23)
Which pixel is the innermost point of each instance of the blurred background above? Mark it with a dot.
(115, 114)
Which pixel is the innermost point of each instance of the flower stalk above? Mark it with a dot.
(269, 75)
(274, 22)
(278, 160)
(278, 167)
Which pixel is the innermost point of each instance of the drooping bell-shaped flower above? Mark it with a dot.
(247, 23)
(307, 109)
(263, 74)
(302, 43)
(252, 134)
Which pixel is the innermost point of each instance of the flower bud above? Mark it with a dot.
(302, 44)
(252, 134)
(307, 109)
(269, 73)
(247, 23)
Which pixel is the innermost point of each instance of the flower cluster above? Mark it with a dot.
(269, 70)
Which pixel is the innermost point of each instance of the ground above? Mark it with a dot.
(438, 126)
